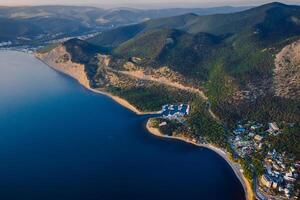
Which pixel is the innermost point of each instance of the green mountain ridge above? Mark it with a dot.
(227, 54)
(255, 19)
(11, 29)
(235, 69)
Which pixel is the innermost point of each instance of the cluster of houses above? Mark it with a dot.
(175, 112)
(280, 172)
(247, 138)
(280, 175)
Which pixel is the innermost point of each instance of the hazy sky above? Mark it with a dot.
(139, 3)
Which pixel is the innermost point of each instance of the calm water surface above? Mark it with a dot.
(59, 141)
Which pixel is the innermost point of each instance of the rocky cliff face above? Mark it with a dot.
(287, 72)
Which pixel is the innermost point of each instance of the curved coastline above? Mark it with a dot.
(117, 99)
(245, 183)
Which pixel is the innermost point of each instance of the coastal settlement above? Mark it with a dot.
(273, 175)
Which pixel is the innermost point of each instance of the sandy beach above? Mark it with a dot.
(117, 99)
(80, 76)
(123, 102)
(235, 167)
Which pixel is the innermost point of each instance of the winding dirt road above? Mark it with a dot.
(162, 80)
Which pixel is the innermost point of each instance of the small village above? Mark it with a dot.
(280, 171)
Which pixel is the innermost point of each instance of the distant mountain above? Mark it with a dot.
(38, 20)
(11, 29)
(258, 19)
(267, 26)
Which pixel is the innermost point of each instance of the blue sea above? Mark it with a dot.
(59, 141)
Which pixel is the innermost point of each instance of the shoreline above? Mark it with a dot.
(154, 131)
(249, 194)
(122, 102)
(117, 99)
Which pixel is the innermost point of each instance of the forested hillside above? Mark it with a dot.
(230, 56)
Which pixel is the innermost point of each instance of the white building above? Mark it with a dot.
(273, 127)
(163, 124)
